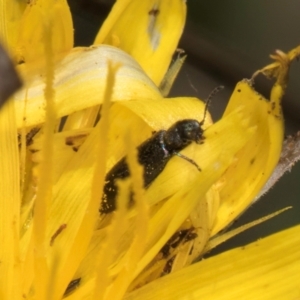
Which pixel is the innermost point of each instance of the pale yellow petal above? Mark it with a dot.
(80, 82)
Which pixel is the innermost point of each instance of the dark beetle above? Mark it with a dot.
(154, 154)
(181, 236)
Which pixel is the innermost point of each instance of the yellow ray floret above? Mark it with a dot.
(148, 30)
(9, 205)
(256, 162)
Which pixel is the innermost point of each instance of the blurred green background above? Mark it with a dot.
(227, 41)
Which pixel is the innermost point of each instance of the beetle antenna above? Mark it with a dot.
(208, 100)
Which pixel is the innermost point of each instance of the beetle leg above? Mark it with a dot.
(188, 159)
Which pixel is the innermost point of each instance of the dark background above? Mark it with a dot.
(227, 41)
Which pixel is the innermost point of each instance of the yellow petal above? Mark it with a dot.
(9, 205)
(256, 162)
(246, 176)
(267, 269)
(148, 30)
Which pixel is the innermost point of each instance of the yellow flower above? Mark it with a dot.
(77, 116)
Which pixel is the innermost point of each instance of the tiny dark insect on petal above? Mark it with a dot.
(73, 285)
(31, 134)
(178, 238)
(153, 12)
(168, 266)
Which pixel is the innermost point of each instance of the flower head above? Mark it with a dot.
(77, 116)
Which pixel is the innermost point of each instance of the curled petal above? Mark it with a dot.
(80, 82)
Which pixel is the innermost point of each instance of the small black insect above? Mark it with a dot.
(29, 136)
(154, 154)
(181, 236)
(73, 285)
